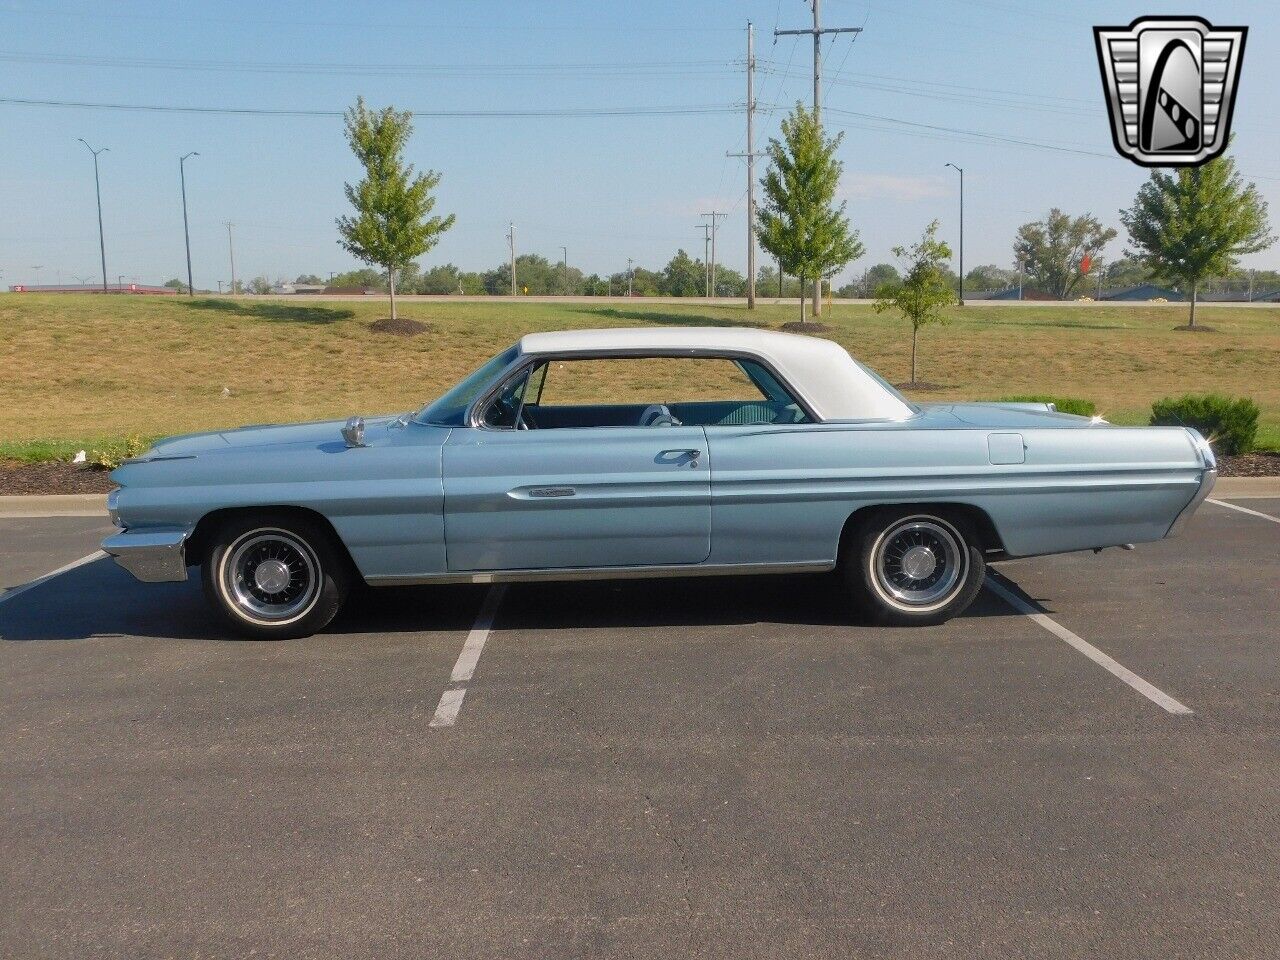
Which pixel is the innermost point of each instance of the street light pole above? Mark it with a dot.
(629, 275)
(565, 251)
(960, 170)
(186, 230)
(97, 187)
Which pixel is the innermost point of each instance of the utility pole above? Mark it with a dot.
(817, 31)
(565, 251)
(186, 230)
(960, 170)
(231, 249)
(751, 155)
(629, 276)
(1019, 279)
(219, 288)
(706, 258)
(97, 186)
(511, 245)
(713, 215)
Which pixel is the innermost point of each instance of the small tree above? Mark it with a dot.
(1195, 222)
(1052, 250)
(925, 288)
(799, 222)
(391, 226)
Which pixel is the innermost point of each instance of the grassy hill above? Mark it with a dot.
(79, 371)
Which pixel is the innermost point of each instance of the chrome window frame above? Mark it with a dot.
(525, 363)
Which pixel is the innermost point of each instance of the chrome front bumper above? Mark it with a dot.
(153, 556)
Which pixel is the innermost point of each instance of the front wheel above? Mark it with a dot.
(273, 579)
(914, 567)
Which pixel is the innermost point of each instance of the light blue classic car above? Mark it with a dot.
(648, 452)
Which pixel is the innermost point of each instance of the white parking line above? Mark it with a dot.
(1154, 694)
(464, 669)
(1252, 513)
(10, 594)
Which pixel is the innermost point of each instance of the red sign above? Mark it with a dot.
(1085, 263)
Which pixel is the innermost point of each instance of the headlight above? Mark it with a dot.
(113, 505)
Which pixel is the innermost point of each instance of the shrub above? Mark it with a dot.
(1230, 424)
(1083, 408)
(117, 451)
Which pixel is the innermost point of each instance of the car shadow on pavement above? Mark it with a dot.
(101, 600)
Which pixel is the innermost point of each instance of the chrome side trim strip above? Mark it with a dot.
(604, 573)
(153, 556)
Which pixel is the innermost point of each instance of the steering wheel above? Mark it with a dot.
(657, 415)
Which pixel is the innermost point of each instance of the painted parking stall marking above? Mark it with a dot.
(32, 584)
(464, 669)
(1252, 513)
(1119, 670)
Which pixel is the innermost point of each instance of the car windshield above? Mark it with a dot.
(451, 409)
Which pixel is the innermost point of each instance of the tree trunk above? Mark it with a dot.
(1194, 292)
(391, 276)
(802, 299)
(915, 331)
(817, 297)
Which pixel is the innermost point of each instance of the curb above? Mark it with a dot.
(1246, 488)
(95, 504)
(69, 505)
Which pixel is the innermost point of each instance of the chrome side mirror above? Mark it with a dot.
(353, 432)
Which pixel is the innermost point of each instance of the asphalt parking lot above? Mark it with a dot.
(720, 768)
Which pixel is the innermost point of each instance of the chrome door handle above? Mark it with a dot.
(693, 453)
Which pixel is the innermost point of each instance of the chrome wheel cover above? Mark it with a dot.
(919, 564)
(270, 577)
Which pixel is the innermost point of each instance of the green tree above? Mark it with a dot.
(925, 288)
(990, 277)
(391, 227)
(176, 284)
(309, 278)
(767, 284)
(683, 277)
(799, 221)
(1052, 250)
(1195, 222)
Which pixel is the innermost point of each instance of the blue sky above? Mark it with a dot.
(607, 187)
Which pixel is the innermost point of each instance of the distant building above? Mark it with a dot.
(1145, 292)
(1011, 293)
(142, 288)
(289, 289)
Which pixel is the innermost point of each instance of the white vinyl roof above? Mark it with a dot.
(821, 372)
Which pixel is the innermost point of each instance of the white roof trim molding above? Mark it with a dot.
(830, 381)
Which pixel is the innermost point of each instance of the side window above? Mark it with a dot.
(652, 391)
(503, 412)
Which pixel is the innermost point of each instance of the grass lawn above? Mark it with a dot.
(83, 371)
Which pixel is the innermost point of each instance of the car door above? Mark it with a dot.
(610, 496)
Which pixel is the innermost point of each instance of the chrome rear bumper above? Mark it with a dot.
(153, 556)
(1209, 478)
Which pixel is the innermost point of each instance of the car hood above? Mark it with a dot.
(321, 432)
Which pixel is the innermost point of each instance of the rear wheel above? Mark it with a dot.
(913, 567)
(275, 579)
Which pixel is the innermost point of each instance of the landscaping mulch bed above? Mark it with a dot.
(1250, 465)
(29, 479)
(400, 327)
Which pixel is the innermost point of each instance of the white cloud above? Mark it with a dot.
(892, 186)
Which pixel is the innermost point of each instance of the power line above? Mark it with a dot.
(691, 110)
(622, 68)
